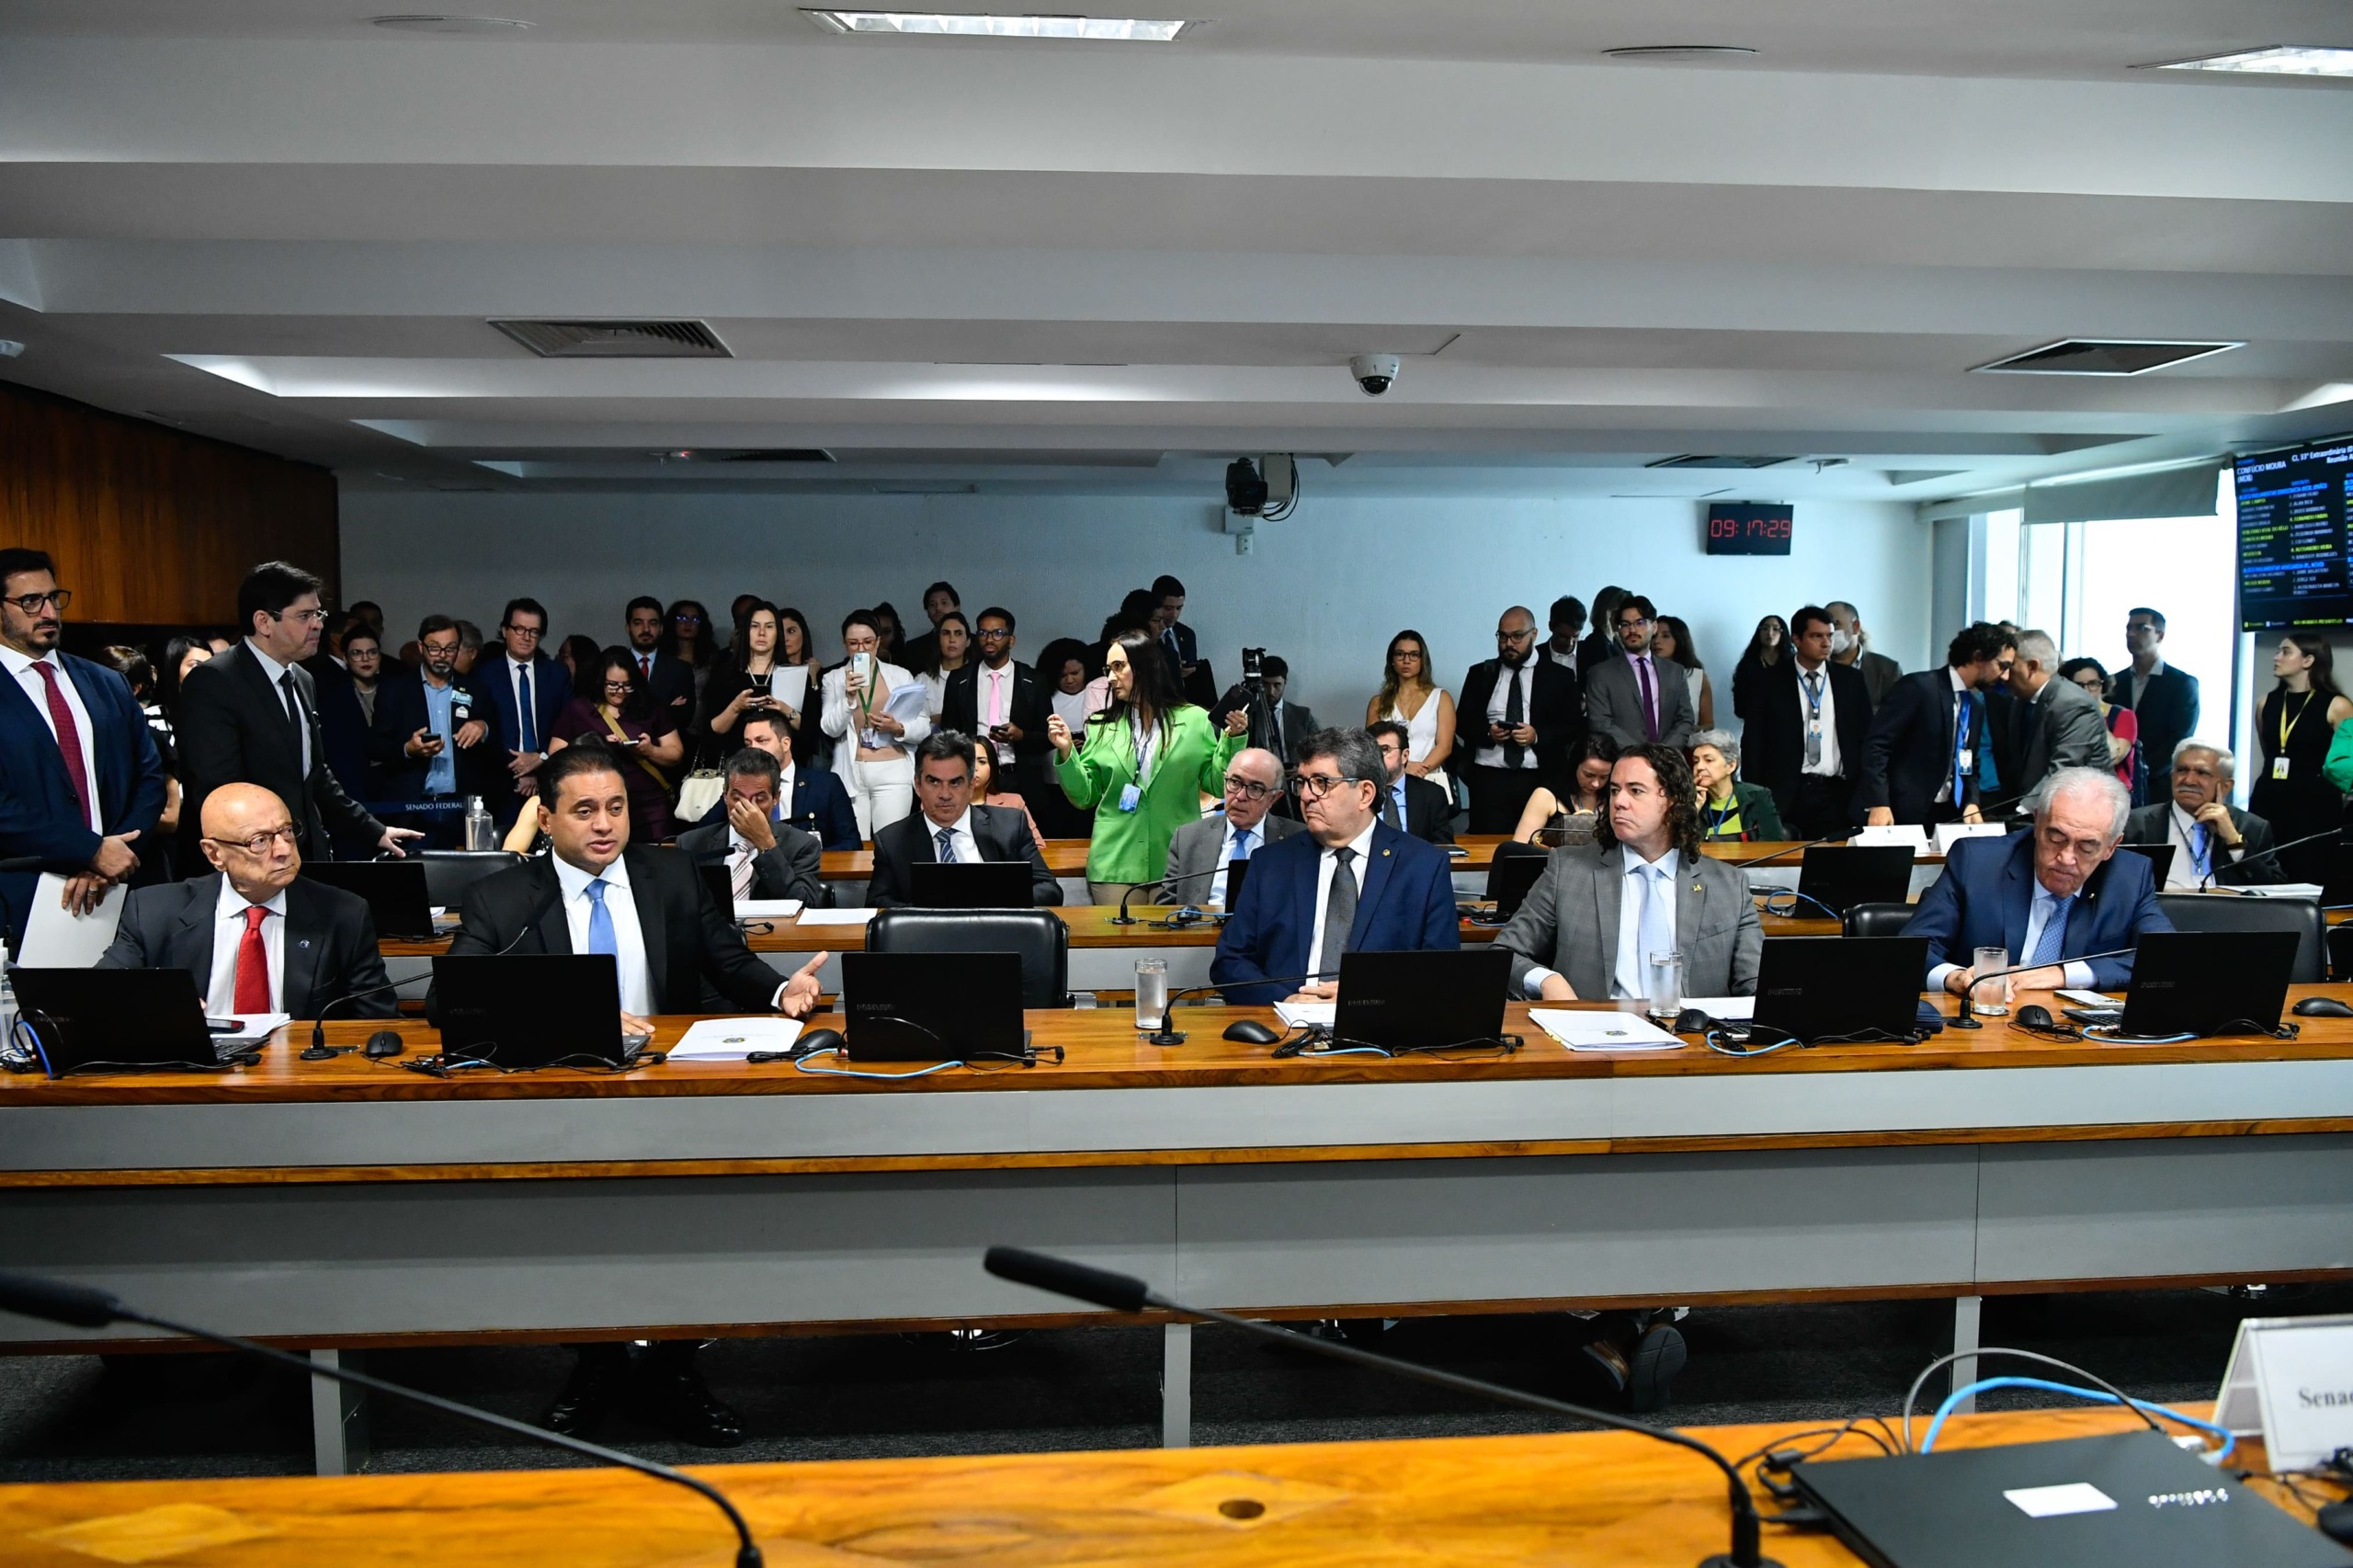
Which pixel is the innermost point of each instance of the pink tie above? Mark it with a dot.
(1650, 699)
(69, 738)
(996, 698)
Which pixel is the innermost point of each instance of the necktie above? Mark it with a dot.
(1515, 715)
(1175, 655)
(1650, 699)
(1960, 745)
(947, 837)
(1340, 910)
(294, 720)
(741, 877)
(1389, 807)
(1657, 930)
(1275, 731)
(529, 727)
(645, 665)
(1241, 845)
(1812, 718)
(2053, 937)
(69, 741)
(253, 965)
(2202, 849)
(996, 698)
(600, 921)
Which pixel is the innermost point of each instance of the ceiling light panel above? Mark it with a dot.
(952, 24)
(2284, 60)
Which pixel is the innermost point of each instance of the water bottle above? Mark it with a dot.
(481, 832)
(7, 1006)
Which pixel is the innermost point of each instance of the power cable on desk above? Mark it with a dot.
(2096, 1396)
(1912, 1395)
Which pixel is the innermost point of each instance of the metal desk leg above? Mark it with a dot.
(339, 1421)
(1177, 1386)
(1966, 1314)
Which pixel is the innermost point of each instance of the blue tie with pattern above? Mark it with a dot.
(947, 838)
(2053, 937)
(600, 920)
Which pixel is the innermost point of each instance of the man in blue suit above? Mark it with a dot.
(1350, 883)
(2047, 896)
(811, 798)
(80, 778)
(524, 690)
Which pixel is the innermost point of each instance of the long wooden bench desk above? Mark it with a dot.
(348, 1203)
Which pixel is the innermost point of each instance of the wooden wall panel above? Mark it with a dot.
(152, 526)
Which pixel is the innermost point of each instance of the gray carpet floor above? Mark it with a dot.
(860, 1396)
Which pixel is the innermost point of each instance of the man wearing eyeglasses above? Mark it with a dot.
(83, 782)
(249, 715)
(1518, 717)
(1202, 851)
(1350, 883)
(258, 936)
(998, 700)
(524, 690)
(1637, 698)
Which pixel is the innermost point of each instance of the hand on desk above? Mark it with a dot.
(635, 1028)
(2050, 977)
(1315, 991)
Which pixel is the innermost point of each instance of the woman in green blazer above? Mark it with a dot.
(1729, 809)
(1143, 766)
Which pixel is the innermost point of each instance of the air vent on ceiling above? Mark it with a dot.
(781, 455)
(2103, 356)
(616, 339)
(1698, 460)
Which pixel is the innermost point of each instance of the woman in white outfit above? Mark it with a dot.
(1411, 696)
(873, 762)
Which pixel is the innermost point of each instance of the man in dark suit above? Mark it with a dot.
(947, 826)
(2047, 895)
(1518, 717)
(1000, 702)
(921, 653)
(1804, 740)
(248, 715)
(523, 690)
(1276, 725)
(811, 798)
(432, 741)
(83, 782)
(669, 680)
(1350, 883)
(595, 892)
(1920, 760)
(1639, 697)
(1415, 805)
(257, 935)
(1194, 676)
(1601, 642)
(2164, 698)
(2214, 843)
(766, 858)
(2054, 723)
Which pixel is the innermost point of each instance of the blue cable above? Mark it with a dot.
(2096, 1396)
(800, 1063)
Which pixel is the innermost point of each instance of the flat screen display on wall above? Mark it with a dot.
(2295, 557)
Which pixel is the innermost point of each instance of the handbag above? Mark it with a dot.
(699, 793)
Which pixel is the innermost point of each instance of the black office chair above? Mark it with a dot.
(1037, 935)
(1504, 851)
(2221, 912)
(1877, 920)
(450, 872)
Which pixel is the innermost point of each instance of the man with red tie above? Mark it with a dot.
(80, 778)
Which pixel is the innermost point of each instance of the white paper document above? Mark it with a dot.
(790, 685)
(1583, 1028)
(767, 908)
(838, 917)
(1302, 1015)
(55, 939)
(252, 1027)
(731, 1039)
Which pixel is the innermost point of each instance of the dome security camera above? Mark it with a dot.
(1375, 373)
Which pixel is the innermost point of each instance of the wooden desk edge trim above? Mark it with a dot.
(834, 1164)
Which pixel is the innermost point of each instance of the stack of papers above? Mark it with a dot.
(1302, 1015)
(1594, 1029)
(767, 908)
(733, 1040)
(838, 917)
(252, 1028)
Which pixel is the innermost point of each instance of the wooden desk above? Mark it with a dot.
(1601, 1498)
(1067, 858)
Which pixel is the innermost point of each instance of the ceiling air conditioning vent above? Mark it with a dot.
(616, 339)
(1695, 460)
(781, 455)
(2103, 356)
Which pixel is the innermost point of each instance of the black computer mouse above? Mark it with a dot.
(2321, 1008)
(1692, 1022)
(382, 1044)
(812, 1041)
(2336, 1521)
(2034, 1016)
(1250, 1031)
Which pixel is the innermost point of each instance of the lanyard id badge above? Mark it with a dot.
(1147, 742)
(1812, 720)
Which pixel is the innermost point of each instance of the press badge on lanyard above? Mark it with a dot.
(1132, 794)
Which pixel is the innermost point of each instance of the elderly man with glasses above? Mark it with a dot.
(1202, 851)
(1350, 883)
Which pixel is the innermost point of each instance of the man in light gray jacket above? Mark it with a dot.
(1201, 850)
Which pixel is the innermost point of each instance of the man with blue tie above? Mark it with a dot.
(1200, 852)
(1350, 883)
(2216, 844)
(2047, 896)
(524, 690)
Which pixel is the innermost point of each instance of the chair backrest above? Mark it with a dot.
(2223, 912)
(1038, 936)
(450, 872)
(1878, 919)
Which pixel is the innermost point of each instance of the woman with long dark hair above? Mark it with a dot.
(1672, 639)
(1766, 648)
(945, 652)
(1410, 696)
(743, 681)
(1143, 766)
(1552, 819)
(614, 710)
(2298, 720)
(796, 649)
(867, 714)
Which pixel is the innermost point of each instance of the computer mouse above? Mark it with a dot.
(2321, 1008)
(2335, 1520)
(2035, 1017)
(382, 1044)
(1692, 1022)
(812, 1041)
(1250, 1031)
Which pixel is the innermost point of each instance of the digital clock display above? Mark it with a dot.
(1748, 527)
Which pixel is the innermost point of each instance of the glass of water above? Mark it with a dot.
(1992, 998)
(1666, 984)
(1152, 994)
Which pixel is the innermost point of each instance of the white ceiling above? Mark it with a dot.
(1109, 267)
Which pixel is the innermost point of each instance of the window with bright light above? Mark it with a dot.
(957, 24)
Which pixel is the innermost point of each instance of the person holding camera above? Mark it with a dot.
(744, 682)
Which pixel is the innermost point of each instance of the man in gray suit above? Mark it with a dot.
(1634, 698)
(1200, 853)
(765, 858)
(2056, 723)
(1642, 886)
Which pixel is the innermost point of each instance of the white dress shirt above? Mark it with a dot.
(2132, 686)
(968, 849)
(523, 682)
(992, 703)
(629, 937)
(1498, 703)
(1327, 863)
(1629, 976)
(228, 934)
(2077, 973)
(1245, 841)
(273, 671)
(37, 689)
(2183, 873)
(1830, 765)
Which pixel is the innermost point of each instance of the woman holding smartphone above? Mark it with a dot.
(618, 713)
(745, 683)
(866, 711)
(1146, 762)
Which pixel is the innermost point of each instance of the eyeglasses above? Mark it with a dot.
(617, 686)
(30, 603)
(306, 616)
(527, 633)
(1639, 620)
(260, 842)
(1249, 788)
(1503, 636)
(992, 634)
(1315, 786)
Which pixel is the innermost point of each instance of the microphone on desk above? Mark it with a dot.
(1839, 838)
(2206, 882)
(1124, 1293)
(1964, 1019)
(84, 1306)
(1124, 918)
(319, 1024)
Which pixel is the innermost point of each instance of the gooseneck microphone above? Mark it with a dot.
(319, 1024)
(1965, 1019)
(2206, 880)
(1124, 1293)
(1124, 918)
(83, 1306)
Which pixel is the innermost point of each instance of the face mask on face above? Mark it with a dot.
(1840, 641)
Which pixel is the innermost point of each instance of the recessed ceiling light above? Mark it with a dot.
(950, 24)
(2281, 60)
(1680, 51)
(451, 24)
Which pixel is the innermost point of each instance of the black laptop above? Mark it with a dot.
(521, 1011)
(2077, 1503)
(2203, 982)
(394, 891)
(2337, 889)
(100, 1020)
(1422, 1001)
(2159, 856)
(1816, 988)
(932, 1007)
(719, 882)
(969, 884)
(1840, 875)
(1510, 879)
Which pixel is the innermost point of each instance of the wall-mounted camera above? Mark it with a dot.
(1375, 373)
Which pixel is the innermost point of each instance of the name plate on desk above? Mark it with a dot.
(2290, 1382)
(1952, 832)
(1910, 834)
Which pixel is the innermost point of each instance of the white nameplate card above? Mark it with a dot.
(2290, 1382)
(1912, 836)
(1952, 832)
